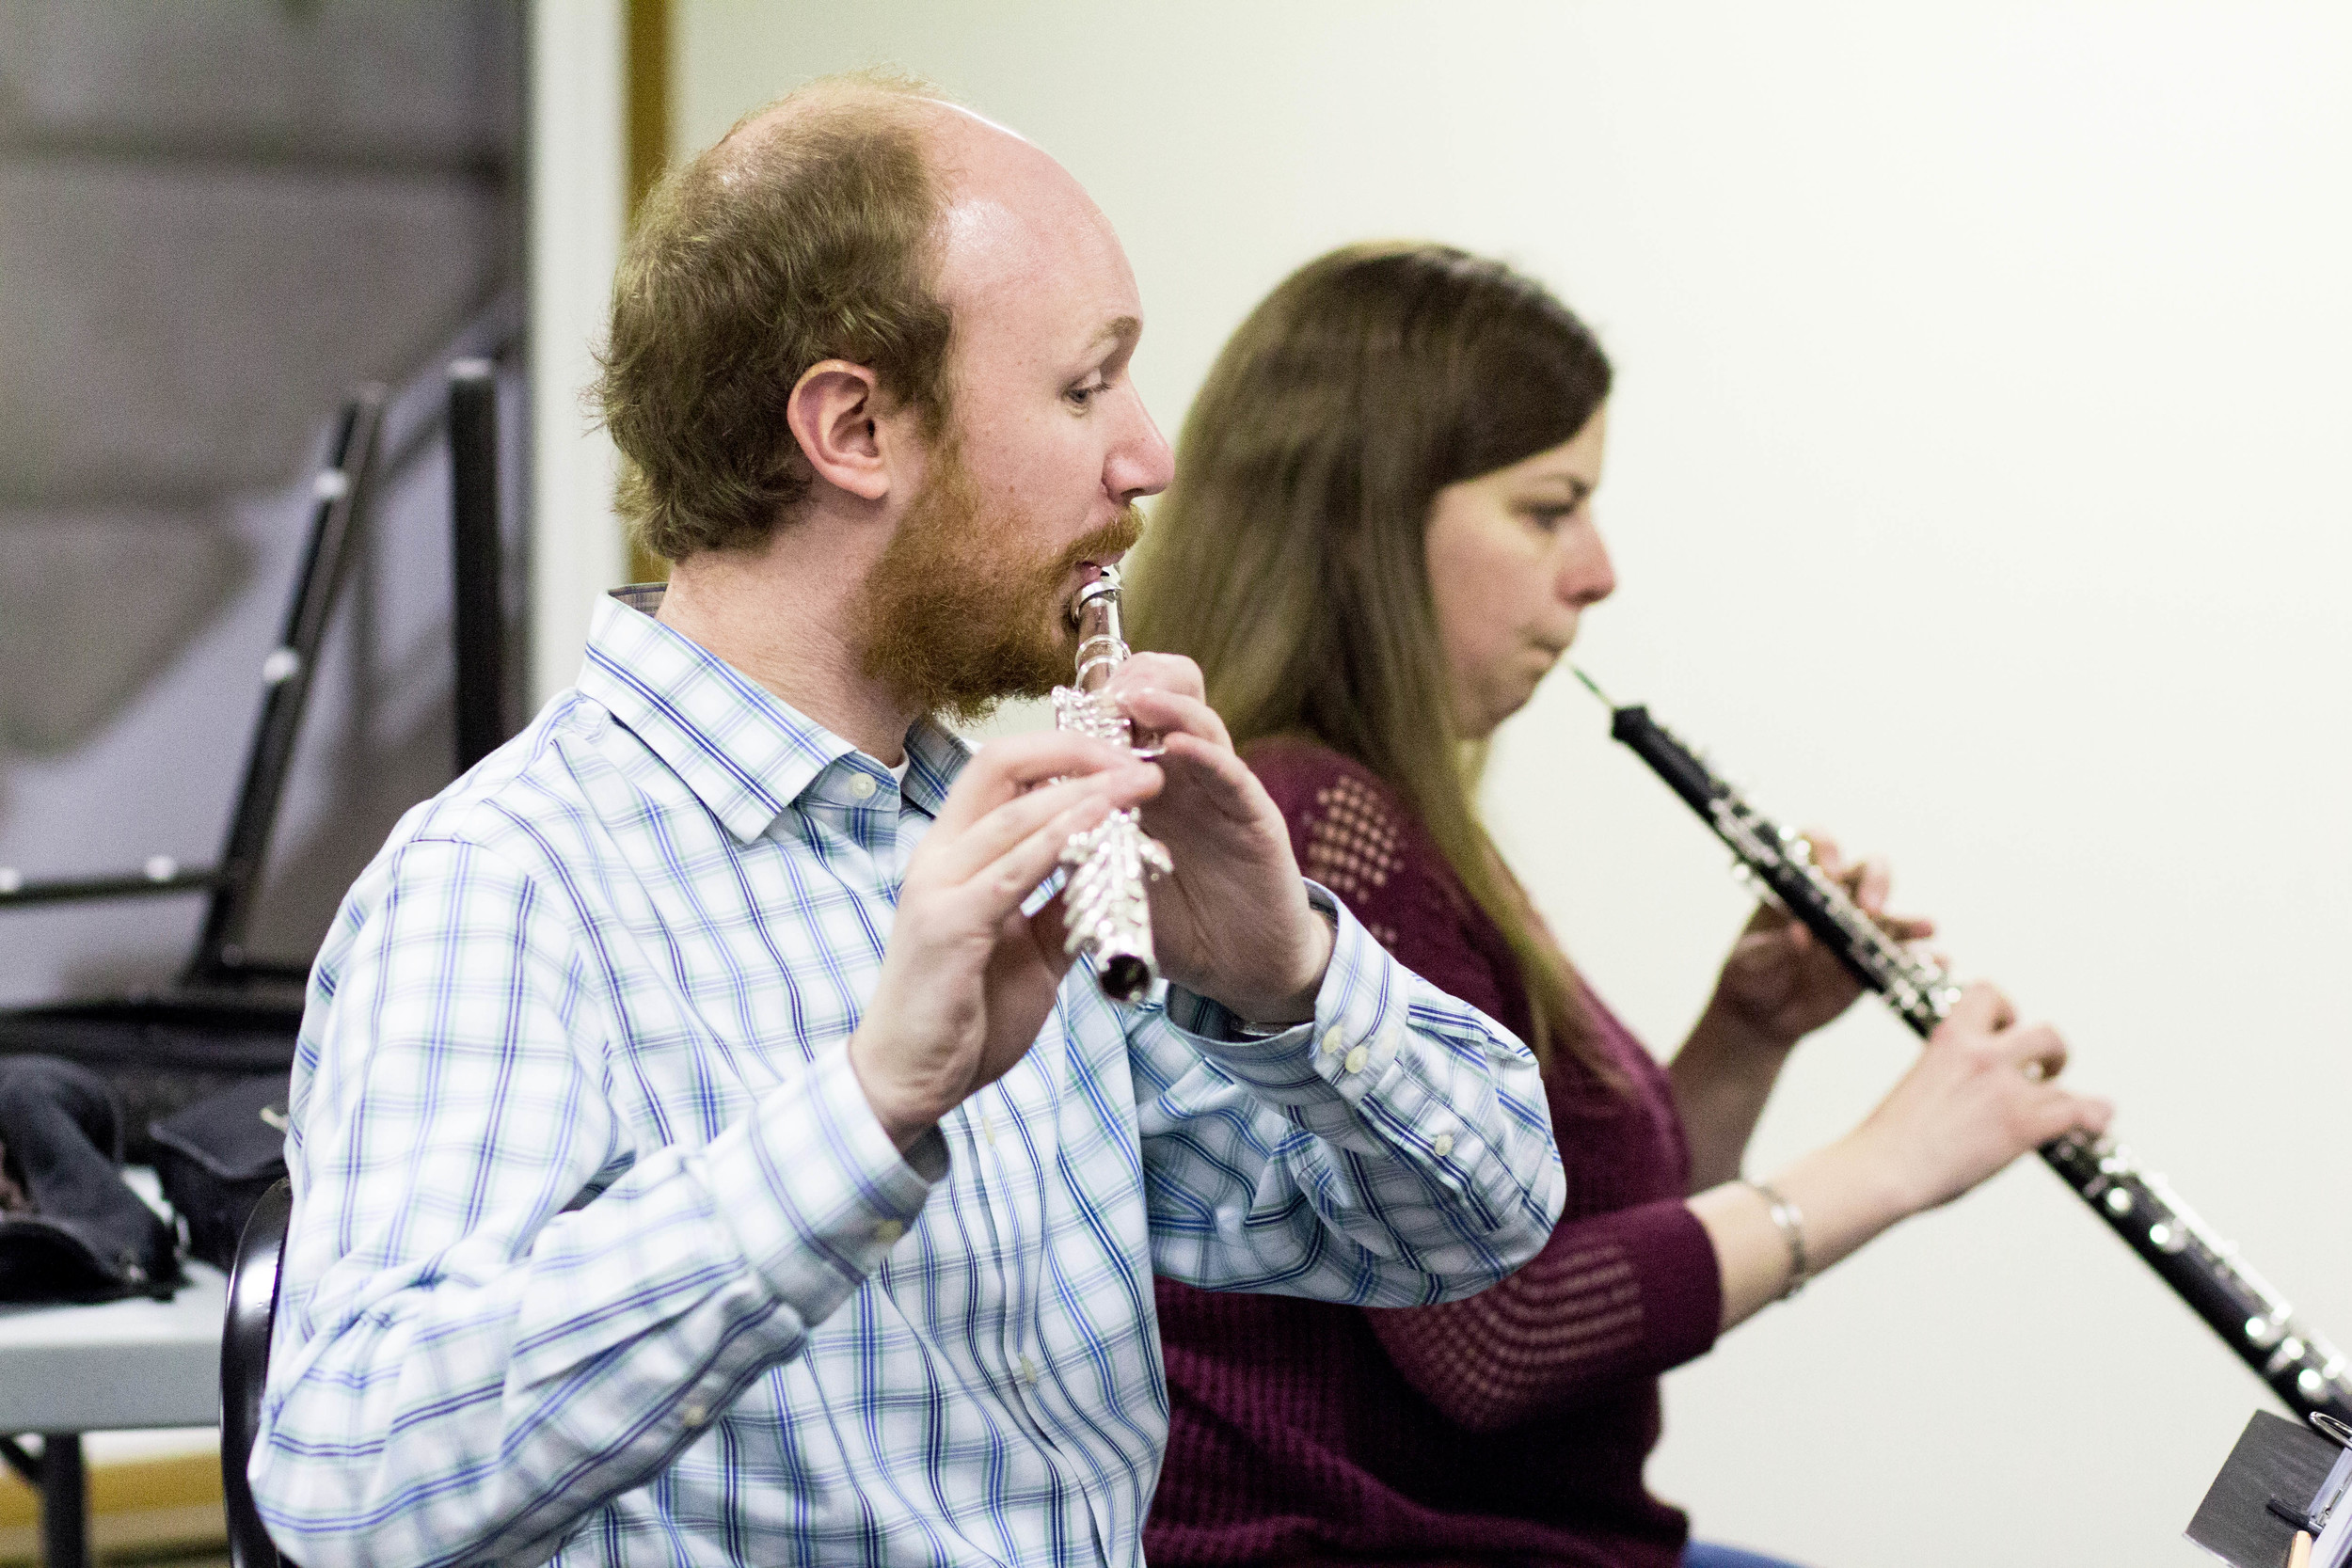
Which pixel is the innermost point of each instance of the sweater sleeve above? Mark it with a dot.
(1618, 1293)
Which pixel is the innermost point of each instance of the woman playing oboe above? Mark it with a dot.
(1380, 540)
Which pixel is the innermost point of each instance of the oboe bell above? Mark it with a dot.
(1105, 907)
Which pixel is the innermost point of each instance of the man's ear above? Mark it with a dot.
(835, 413)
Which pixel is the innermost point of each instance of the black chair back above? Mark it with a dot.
(243, 1364)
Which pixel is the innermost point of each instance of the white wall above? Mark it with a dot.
(578, 208)
(1976, 490)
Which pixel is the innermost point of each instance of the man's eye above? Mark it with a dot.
(1083, 395)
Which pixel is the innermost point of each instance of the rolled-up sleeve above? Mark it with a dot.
(469, 1356)
(1394, 1151)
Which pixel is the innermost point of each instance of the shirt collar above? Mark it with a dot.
(745, 753)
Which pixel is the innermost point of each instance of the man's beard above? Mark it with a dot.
(956, 620)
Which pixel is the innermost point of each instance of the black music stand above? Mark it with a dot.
(228, 1015)
(478, 605)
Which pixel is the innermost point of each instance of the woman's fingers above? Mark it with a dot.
(1870, 881)
(1826, 854)
(2065, 1112)
(1867, 882)
(2037, 1049)
(1981, 1007)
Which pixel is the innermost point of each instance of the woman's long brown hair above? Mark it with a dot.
(1289, 558)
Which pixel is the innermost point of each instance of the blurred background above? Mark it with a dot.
(215, 218)
(1975, 487)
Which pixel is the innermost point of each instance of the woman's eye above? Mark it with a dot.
(1083, 395)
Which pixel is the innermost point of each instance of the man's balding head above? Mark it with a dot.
(863, 222)
(813, 230)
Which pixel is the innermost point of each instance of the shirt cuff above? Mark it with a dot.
(817, 1194)
(1334, 1059)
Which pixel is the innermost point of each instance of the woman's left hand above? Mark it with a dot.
(1781, 982)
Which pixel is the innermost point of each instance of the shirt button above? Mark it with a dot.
(1356, 1059)
(888, 1232)
(1331, 1039)
(862, 785)
(1028, 1371)
(693, 1413)
(1442, 1145)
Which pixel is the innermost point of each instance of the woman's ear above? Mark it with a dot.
(835, 411)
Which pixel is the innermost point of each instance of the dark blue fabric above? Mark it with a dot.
(1701, 1554)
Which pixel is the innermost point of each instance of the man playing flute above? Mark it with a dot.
(703, 1151)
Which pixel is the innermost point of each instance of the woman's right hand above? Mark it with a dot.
(1984, 1091)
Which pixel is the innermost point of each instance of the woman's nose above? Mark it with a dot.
(1586, 577)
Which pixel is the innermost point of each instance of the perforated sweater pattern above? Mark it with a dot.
(1511, 1426)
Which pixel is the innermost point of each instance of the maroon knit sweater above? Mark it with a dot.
(1509, 1428)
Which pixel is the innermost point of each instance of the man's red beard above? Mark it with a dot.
(956, 619)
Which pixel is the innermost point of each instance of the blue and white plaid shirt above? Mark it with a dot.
(599, 1254)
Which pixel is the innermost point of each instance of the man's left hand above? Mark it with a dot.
(1232, 922)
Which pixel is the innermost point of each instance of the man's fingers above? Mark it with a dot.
(1169, 713)
(1005, 769)
(1002, 885)
(1051, 933)
(962, 855)
(1224, 778)
(1158, 673)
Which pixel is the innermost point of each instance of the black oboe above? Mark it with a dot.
(2301, 1368)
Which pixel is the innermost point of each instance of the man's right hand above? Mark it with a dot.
(967, 980)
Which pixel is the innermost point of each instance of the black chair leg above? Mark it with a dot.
(245, 1366)
(64, 1502)
(56, 1473)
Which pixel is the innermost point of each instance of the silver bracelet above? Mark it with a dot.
(1790, 1219)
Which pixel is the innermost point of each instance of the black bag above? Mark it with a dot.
(70, 1228)
(218, 1156)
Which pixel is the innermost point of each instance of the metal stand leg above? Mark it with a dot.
(64, 1502)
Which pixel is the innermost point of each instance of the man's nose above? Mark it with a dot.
(1140, 462)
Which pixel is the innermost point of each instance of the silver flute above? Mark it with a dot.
(1109, 866)
(2307, 1372)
